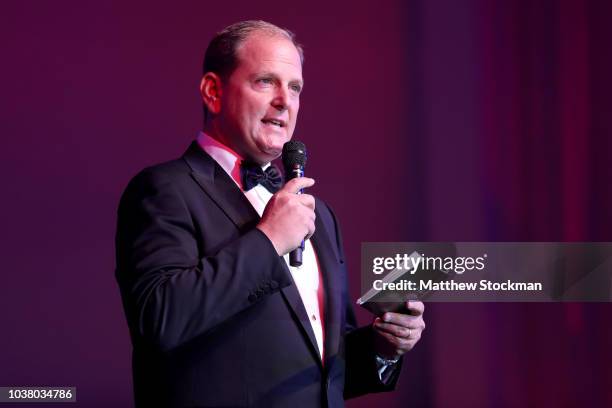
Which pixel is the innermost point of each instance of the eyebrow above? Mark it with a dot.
(270, 74)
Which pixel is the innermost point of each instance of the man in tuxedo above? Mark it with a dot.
(217, 316)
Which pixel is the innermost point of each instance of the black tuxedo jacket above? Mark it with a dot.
(214, 315)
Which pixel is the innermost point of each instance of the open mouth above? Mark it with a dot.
(274, 122)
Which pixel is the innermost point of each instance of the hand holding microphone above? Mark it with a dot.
(289, 216)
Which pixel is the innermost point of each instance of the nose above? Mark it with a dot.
(281, 99)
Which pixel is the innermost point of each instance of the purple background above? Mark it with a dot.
(425, 120)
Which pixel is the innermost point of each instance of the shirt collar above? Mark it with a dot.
(228, 159)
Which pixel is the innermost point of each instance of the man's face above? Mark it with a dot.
(261, 98)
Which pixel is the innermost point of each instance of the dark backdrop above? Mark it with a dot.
(425, 120)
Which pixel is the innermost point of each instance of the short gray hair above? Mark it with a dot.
(221, 55)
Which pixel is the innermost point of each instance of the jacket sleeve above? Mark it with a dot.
(361, 368)
(361, 373)
(172, 295)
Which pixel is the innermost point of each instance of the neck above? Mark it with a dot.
(213, 131)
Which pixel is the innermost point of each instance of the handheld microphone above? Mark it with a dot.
(294, 162)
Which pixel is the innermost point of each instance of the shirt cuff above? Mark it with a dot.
(385, 368)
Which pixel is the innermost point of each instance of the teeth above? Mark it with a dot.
(273, 122)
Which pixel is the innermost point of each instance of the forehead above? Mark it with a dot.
(269, 52)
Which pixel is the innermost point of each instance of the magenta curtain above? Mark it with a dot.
(508, 125)
(427, 120)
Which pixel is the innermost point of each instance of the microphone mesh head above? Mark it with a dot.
(294, 152)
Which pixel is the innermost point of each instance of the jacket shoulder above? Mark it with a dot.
(164, 170)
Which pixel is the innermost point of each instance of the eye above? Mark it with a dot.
(264, 81)
(296, 88)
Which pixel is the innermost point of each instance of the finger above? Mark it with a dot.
(313, 216)
(296, 184)
(400, 345)
(416, 308)
(398, 331)
(391, 339)
(311, 230)
(399, 319)
(414, 323)
(307, 200)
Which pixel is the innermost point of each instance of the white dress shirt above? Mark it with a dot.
(307, 277)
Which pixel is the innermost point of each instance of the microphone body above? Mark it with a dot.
(294, 162)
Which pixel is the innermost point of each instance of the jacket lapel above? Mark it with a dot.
(221, 189)
(333, 305)
(294, 300)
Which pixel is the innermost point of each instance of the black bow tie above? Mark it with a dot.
(252, 175)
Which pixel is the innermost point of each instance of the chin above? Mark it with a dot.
(272, 150)
(273, 153)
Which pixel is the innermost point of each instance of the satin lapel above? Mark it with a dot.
(332, 279)
(223, 191)
(220, 188)
(294, 300)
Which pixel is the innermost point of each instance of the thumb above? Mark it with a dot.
(296, 184)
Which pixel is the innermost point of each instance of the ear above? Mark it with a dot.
(210, 89)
